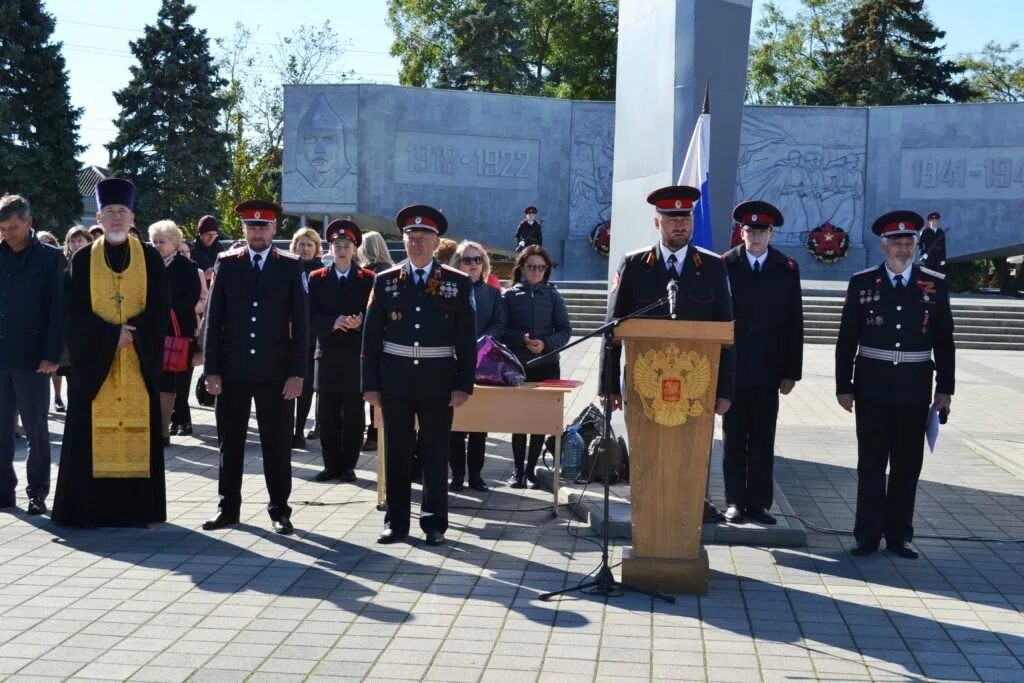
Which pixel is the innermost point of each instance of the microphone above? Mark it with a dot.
(672, 288)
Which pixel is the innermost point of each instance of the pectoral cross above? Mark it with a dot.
(117, 299)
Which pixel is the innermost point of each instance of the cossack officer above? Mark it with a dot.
(419, 363)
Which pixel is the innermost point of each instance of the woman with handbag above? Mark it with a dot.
(538, 323)
(181, 328)
(472, 259)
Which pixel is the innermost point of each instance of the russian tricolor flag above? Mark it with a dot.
(696, 173)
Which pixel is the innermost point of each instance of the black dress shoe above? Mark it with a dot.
(325, 475)
(167, 442)
(734, 515)
(861, 549)
(389, 536)
(298, 441)
(479, 485)
(58, 405)
(8, 503)
(903, 549)
(455, 486)
(761, 516)
(348, 476)
(283, 525)
(185, 430)
(222, 520)
(313, 433)
(517, 480)
(36, 506)
(369, 445)
(435, 538)
(712, 514)
(173, 431)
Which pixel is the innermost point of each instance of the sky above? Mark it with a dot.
(96, 34)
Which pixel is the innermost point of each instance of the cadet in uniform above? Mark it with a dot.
(257, 331)
(703, 290)
(768, 306)
(338, 296)
(897, 328)
(419, 362)
(932, 244)
(529, 230)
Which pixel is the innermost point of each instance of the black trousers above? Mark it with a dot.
(749, 447)
(182, 414)
(341, 417)
(890, 436)
(274, 417)
(533, 374)
(461, 458)
(435, 422)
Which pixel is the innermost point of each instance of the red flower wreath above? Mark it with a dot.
(828, 243)
(601, 238)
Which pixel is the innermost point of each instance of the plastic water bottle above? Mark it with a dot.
(574, 450)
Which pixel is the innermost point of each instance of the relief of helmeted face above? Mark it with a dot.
(323, 161)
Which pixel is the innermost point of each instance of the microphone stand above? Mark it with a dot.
(604, 584)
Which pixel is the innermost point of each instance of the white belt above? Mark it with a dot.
(419, 351)
(895, 357)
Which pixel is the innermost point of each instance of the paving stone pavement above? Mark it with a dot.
(174, 603)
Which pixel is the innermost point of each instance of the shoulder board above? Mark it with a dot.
(933, 273)
(707, 252)
(366, 272)
(231, 252)
(318, 273)
(394, 270)
(637, 252)
(866, 270)
(286, 254)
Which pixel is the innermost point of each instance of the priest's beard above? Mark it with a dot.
(116, 237)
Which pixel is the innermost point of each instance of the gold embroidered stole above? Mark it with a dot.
(120, 412)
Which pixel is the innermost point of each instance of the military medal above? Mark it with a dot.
(863, 297)
(396, 315)
(878, 320)
(924, 323)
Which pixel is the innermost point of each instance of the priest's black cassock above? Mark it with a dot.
(122, 498)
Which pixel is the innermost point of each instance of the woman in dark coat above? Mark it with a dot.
(472, 259)
(538, 323)
(306, 245)
(166, 238)
(374, 255)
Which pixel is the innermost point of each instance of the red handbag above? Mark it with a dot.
(176, 349)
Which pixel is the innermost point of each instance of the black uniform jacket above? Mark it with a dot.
(932, 245)
(530, 233)
(440, 314)
(703, 294)
(337, 351)
(768, 307)
(257, 326)
(877, 315)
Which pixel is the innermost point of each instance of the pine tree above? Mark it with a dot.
(38, 125)
(889, 55)
(169, 140)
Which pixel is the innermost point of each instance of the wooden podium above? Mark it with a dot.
(670, 386)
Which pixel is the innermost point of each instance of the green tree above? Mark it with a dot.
(786, 55)
(38, 125)
(559, 48)
(889, 55)
(169, 141)
(997, 74)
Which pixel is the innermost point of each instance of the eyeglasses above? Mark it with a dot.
(536, 267)
(472, 260)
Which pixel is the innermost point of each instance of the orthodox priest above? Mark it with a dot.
(117, 307)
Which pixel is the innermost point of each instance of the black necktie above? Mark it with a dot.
(256, 263)
(757, 267)
(899, 281)
(672, 261)
(421, 277)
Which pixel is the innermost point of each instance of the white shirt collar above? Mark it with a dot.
(338, 274)
(905, 274)
(759, 259)
(426, 269)
(680, 255)
(263, 256)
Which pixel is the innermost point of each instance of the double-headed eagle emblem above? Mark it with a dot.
(671, 384)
